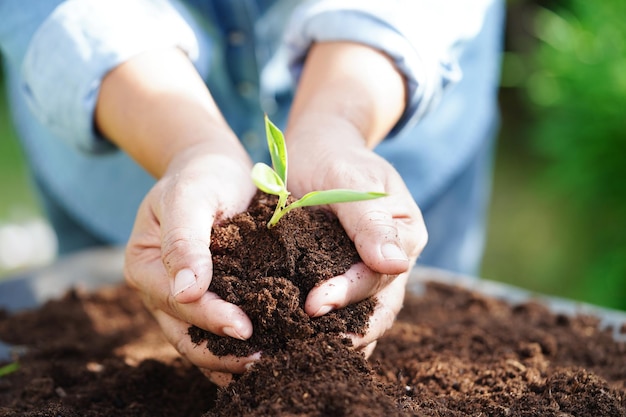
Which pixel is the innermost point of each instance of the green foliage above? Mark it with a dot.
(274, 181)
(17, 201)
(577, 91)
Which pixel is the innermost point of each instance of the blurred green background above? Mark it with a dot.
(558, 217)
(17, 202)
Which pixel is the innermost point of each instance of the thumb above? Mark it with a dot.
(376, 235)
(186, 226)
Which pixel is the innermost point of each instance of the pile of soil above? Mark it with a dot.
(269, 272)
(452, 352)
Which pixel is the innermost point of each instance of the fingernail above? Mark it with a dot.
(323, 310)
(184, 279)
(254, 358)
(392, 252)
(232, 332)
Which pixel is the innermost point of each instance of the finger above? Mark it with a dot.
(221, 379)
(377, 238)
(389, 233)
(215, 315)
(185, 223)
(389, 303)
(358, 283)
(208, 312)
(176, 331)
(186, 209)
(369, 349)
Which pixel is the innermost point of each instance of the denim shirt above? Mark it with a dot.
(250, 54)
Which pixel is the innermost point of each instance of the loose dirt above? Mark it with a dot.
(451, 352)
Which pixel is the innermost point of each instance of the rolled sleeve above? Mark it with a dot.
(78, 44)
(422, 38)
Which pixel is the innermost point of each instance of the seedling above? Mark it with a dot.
(274, 180)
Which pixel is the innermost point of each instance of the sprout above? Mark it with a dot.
(274, 180)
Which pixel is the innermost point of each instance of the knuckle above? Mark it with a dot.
(376, 222)
(176, 238)
(173, 308)
(177, 244)
(383, 281)
(414, 235)
(181, 346)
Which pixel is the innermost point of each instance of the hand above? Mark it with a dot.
(168, 259)
(389, 233)
(157, 108)
(340, 113)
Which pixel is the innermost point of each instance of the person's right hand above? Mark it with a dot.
(156, 108)
(168, 259)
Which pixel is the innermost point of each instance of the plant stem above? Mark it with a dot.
(280, 211)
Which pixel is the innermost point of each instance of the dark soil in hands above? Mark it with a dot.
(269, 272)
(452, 352)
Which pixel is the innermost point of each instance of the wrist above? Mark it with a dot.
(229, 155)
(350, 82)
(155, 106)
(322, 131)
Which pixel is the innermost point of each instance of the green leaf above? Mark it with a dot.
(316, 198)
(277, 148)
(267, 180)
(9, 369)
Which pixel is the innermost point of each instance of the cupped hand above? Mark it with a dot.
(168, 260)
(389, 233)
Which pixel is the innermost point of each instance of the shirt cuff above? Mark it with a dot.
(78, 44)
(427, 71)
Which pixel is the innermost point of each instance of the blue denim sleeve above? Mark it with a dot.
(423, 38)
(78, 43)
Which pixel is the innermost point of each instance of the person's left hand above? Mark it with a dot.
(389, 233)
(348, 99)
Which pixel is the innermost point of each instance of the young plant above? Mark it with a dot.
(274, 180)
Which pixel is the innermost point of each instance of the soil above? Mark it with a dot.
(269, 272)
(451, 352)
